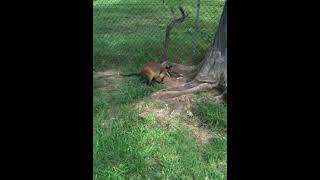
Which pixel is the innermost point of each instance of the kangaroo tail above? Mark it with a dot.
(131, 74)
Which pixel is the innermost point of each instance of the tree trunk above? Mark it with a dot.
(212, 72)
(214, 66)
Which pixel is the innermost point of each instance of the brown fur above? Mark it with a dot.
(154, 71)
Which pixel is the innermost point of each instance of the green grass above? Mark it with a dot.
(128, 146)
(132, 90)
(213, 115)
(133, 31)
(126, 35)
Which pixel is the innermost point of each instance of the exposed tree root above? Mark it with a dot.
(191, 85)
(179, 70)
(175, 87)
(221, 98)
(178, 92)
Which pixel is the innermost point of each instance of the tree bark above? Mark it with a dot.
(214, 66)
(212, 72)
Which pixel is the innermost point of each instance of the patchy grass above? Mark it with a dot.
(129, 146)
(213, 115)
(133, 90)
(126, 146)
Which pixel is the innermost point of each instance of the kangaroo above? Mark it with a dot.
(153, 71)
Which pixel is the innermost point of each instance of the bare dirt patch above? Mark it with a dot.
(177, 112)
(105, 74)
(170, 112)
(107, 80)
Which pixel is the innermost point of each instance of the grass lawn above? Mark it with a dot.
(126, 35)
